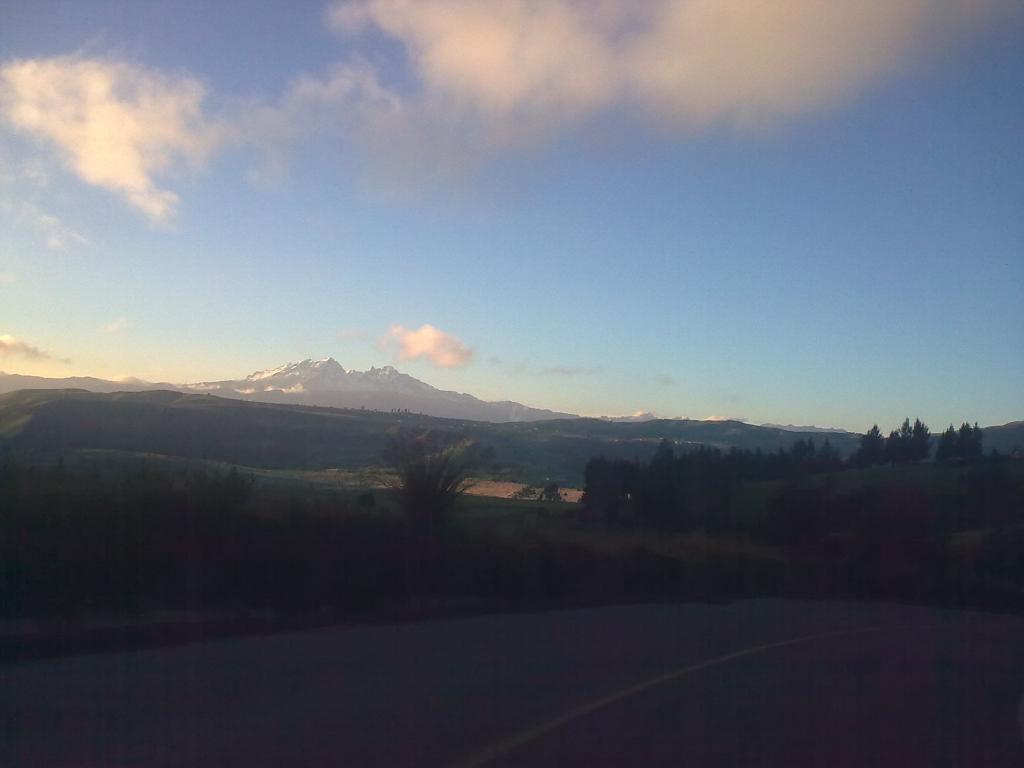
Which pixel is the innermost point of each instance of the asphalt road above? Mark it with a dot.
(752, 683)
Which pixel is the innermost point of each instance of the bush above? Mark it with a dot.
(432, 473)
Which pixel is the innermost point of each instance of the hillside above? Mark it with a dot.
(12, 382)
(322, 383)
(1006, 438)
(45, 424)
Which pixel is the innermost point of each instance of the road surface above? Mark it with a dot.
(751, 683)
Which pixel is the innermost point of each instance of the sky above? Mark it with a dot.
(796, 212)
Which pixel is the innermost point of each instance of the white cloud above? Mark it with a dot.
(442, 349)
(10, 347)
(6, 278)
(116, 326)
(123, 127)
(56, 235)
(115, 125)
(490, 74)
(508, 56)
(479, 77)
(344, 84)
(346, 100)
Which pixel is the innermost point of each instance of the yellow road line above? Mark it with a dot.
(503, 747)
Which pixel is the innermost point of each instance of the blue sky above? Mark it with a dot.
(802, 215)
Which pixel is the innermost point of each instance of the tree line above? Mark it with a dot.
(911, 443)
(695, 489)
(691, 489)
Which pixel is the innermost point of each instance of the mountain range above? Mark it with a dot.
(796, 428)
(324, 383)
(327, 383)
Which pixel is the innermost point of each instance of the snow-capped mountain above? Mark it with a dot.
(325, 375)
(321, 383)
(633, 418)
(327, 383)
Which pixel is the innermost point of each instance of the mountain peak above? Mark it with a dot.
(299, 369)
(327, 364)
(325, 382)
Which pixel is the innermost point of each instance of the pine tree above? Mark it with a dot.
(919, 441)
(968, 441)
(946, 448)
(893, 448)
(872, 448)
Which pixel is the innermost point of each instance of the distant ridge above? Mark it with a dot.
(11, 382)
(48, 424)
(326, 383)
(45, 425)
(318, 383)
(636, 417)
(1006, 438)
(795, 428)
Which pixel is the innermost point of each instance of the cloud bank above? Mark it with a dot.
(442, 349)
(504, 71)
(10, 347)
(466, 80)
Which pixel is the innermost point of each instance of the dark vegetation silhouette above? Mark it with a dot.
(872, 448)
(550, 492)
(74, 542)
(964, 443)
(945, 532)
(432, 471)
(888, 523)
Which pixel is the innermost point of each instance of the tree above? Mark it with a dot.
(920, 441)
(893, 448)
(829, 459)
(968, 441)
(899, 446)
(550, 493)
(946, 448)
(609, 489)
(659, 486)
(432, 472)
(804, 451)
(872, 448)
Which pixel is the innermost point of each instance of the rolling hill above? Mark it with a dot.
(45, 424)
(324, 383)
(1006, 438)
